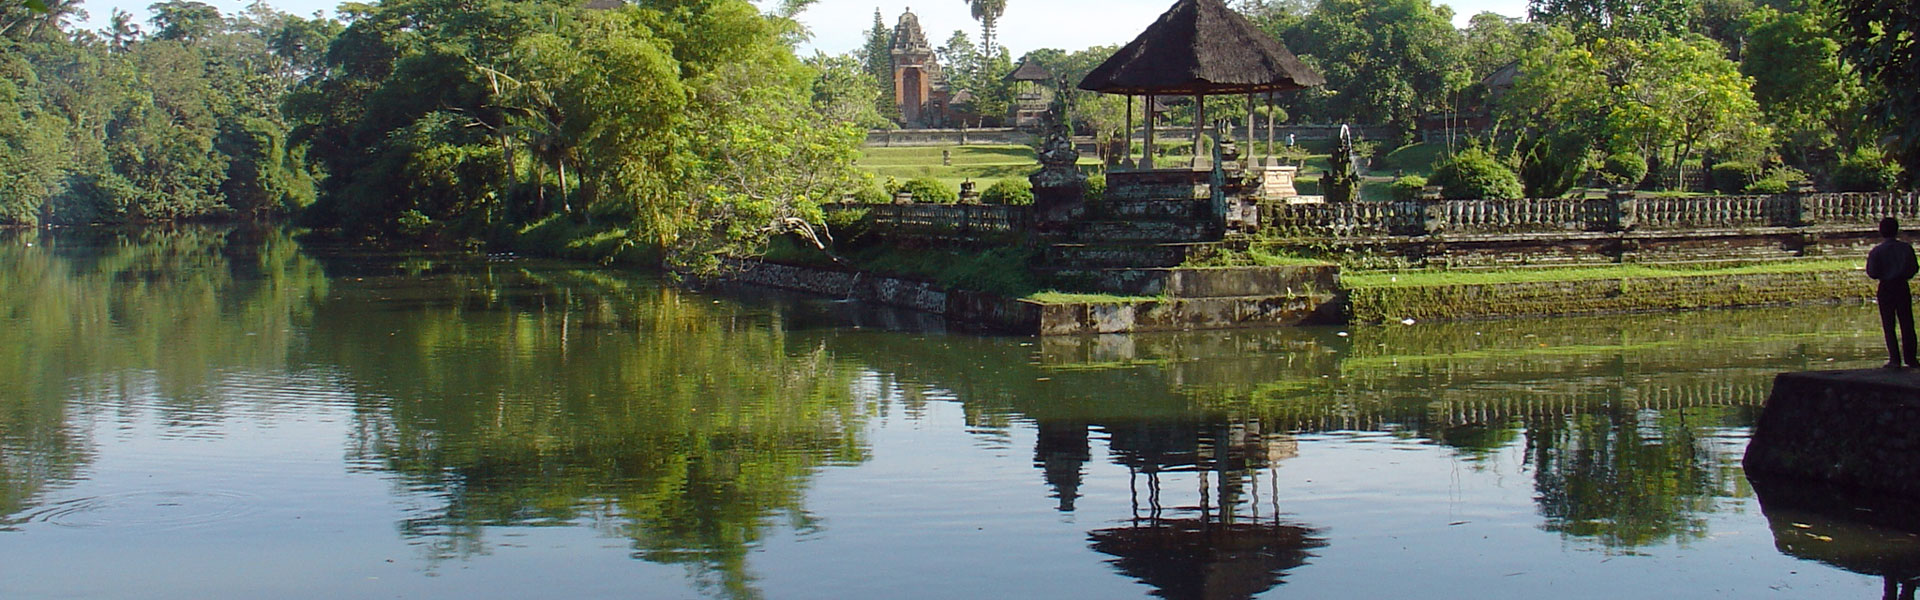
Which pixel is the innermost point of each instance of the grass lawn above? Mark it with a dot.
(983, 164)
(1423, 278)
(1414, 159)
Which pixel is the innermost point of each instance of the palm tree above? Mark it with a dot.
(121, 31)
(987, 12)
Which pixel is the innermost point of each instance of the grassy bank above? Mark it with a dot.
(1451, 295)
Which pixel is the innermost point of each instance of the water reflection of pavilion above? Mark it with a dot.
(1222, 539)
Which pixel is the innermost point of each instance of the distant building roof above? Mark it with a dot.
(907, 37)
(1201, 47)
(1030, 71)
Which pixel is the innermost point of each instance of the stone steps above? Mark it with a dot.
(1232, 282)
(1155, 209)
(1144, 232)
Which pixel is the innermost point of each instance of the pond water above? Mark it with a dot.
(209, 413)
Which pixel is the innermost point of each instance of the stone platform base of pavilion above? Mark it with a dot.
(1856, 429)
(1253, 297)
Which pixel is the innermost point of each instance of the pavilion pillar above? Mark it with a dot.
(1146, 154)
(1251, 142)
(1270, 120)
(1127, 145)
(1199, 126)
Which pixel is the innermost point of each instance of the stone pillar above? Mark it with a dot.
(1625, 213)
(1199, 126)
(1146, 155)
(1128, 133)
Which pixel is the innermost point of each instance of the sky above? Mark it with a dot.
(839, 26)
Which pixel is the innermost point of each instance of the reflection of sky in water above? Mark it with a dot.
(272, 470)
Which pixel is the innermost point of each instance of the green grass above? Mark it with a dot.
(1253, 257)
(983, 164)
(1425, 278)
(1414, 159)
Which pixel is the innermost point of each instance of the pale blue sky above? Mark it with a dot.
(838, 25)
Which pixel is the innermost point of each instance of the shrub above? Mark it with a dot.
(1733, 177)
(1623, 169)
(872, 193)
(1012, 190)
(1865, 169)
(928, 189)
(1474, 174)
(1408, 188)
(1779, 180)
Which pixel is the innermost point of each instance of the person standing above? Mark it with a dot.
(1892, 263)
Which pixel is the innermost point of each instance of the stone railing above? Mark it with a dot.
(1613, 214)
(966, 221)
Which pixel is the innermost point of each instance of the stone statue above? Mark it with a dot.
(1058, 187)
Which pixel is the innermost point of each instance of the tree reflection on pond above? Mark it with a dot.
(577, 397)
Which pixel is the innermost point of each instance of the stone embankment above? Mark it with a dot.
(1308, 302)
(1857, 429)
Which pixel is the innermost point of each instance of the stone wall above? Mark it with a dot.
(1859, 429)
(948, 137)
(1493, 300)
(1457, 218)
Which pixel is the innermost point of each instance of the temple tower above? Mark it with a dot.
(919, 90)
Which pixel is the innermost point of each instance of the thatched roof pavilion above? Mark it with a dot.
(1030, 71)
(1200, 48)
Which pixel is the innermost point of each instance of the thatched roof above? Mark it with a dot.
(1030, 71)
(1201, 47)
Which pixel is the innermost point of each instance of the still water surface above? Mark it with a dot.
(209, 413)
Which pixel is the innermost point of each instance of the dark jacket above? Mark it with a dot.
(1892, 262)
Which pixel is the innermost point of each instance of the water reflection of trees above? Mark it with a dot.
(1623, 421)
(534, 396)
(97, 323)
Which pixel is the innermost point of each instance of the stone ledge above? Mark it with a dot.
(1858, 429)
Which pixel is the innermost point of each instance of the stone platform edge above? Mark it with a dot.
(991, 312)
(1856, 429)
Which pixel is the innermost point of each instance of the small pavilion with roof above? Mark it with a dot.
(1032, 93)
(1200, 48)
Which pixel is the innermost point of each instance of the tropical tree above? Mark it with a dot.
(1881, 41)
(987, 12)
(1590, 20)
(1386, 61)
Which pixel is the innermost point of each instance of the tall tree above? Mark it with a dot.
(877, 56)
(1595, 19)
(1386, 61)
(1809, 95)
(1883, 42)
(987, 12)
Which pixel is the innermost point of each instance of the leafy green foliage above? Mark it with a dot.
(1008, 191)
(1623, 169)
(1408, 187)
(1866, 169)
(686, 128)
(1386, 61)
(182, 125)
(1882, 39)
(1473, 173)
(1733, 177)
(927, 189)
(1778, 180)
